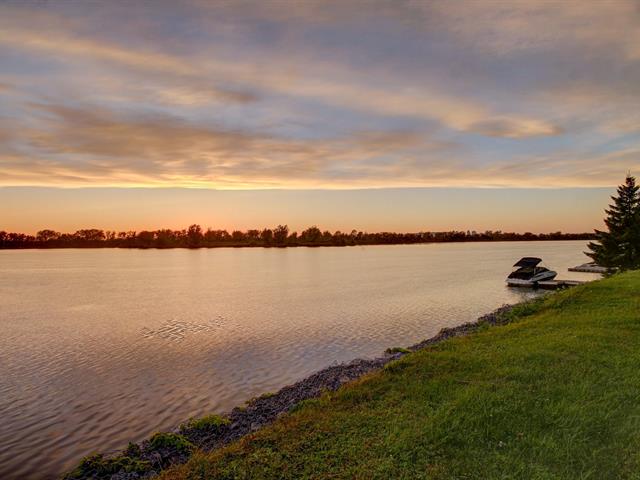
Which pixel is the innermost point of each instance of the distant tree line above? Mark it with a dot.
(280, 236)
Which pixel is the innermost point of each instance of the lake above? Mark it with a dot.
(103, 346)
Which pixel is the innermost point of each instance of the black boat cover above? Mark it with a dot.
(528, 262)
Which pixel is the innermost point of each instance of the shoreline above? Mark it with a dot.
(150, 457)
(97, 246)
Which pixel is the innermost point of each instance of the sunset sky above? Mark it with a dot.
(377, 115)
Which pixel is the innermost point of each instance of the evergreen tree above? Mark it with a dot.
(619, 247)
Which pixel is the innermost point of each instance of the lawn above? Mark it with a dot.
(555, 394)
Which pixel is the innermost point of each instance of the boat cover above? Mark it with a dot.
(528, 262)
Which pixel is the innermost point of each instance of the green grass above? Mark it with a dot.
(208, 423)
(553, 395)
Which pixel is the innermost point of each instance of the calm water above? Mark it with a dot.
(99, 347)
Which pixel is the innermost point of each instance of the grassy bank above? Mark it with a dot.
(556, 394)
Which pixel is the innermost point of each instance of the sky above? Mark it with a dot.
(403, 115)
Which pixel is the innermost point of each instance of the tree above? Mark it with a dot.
(253, 236)
(280, 234)
(89, 235)
(311, 235)
(267, 236)
(165, 238)
(619, 247)
(237, 236)
(47, 235)
(194, 236)
(146, 239)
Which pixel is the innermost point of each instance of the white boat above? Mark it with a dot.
(528, 272)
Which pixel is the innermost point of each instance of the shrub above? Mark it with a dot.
(171, 441)
(206, 424)
(132, 450)
(393, 350)
(97, 466)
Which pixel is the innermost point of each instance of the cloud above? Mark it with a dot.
(510, 128)
(502, 28)
(80, 146)
(58, 44)
(319, 94)
(453, 112)
(97, 147)
(509, 28)
(181, 82)
(587, 169)
(190, 83)
(183, 95)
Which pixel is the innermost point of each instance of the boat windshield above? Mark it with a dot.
(525, 273)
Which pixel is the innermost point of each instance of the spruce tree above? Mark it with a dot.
(619, 247)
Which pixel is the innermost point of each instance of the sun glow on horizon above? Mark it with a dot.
(325, 97)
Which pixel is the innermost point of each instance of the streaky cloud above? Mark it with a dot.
(319, 94)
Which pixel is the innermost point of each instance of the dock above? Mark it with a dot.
(589, 268)
(558, 284)
(552, 284)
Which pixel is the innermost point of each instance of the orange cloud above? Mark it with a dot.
(94, 146)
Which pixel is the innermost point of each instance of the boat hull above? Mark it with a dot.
(533, 281)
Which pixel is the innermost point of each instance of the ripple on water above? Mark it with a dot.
(177, 330)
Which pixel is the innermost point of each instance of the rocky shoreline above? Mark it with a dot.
(165, 449)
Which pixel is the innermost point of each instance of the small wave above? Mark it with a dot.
(177, 330)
